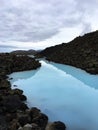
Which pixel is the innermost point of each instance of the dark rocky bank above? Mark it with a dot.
(14, 113)
(82, 52)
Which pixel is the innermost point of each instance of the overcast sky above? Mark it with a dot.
(41, 23)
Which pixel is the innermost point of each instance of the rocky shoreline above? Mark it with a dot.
(14, 113)
(82, 52)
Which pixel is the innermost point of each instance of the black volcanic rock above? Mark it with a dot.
(4, 84)
(41, 120)
(12, 100)
(11, 103)
(14, 113)
(11, 63)
(81, 52)
(57, 126)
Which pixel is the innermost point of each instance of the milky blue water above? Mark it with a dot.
(63, 93)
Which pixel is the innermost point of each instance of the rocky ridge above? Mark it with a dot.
(24, 52)
(82, 52)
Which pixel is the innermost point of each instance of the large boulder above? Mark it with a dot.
(41, 120)
(34, 112)
(16, 91)
(23, 97)
(23, 106)
(19, 93)
(57, 126)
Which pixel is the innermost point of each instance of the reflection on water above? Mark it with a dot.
(20, 75)
(63, 93)
(91, 80)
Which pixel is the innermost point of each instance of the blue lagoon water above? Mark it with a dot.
(63, 93)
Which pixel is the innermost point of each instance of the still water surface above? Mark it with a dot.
(63, 93)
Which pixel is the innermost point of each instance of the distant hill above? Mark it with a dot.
(24, 52)
(81, 52)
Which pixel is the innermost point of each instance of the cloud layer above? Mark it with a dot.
(38, 20)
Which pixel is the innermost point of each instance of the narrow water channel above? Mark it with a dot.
(63, 93)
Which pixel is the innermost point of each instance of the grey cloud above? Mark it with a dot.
(37, 20)
(8, 46)
(86, 28)
(88, 9)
